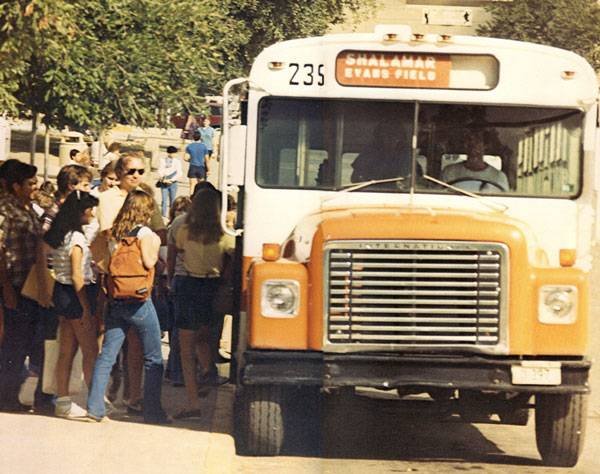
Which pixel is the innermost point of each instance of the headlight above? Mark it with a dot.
(280, 298)
(557, 304)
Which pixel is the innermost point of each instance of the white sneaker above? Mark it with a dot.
(69, 409)
(95, 419)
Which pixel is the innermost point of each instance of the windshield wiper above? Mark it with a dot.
(364, 184)
(486, 201)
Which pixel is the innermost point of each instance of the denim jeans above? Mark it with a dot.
(120, 317)
(19, 337)
(169, 192)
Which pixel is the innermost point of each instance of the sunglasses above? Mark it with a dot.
(131, 171)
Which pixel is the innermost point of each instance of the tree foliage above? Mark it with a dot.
(27, 27)
(137, 58)
(93, 63)
(270, 21)
(567, 24)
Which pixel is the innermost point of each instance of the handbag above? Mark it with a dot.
(51, 351)
(165, 181)
(39, 284)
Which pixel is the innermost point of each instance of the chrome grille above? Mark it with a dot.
(382, 294)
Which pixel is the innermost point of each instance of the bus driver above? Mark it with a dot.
(475, 174)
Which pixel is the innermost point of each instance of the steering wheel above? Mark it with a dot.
(484, 183)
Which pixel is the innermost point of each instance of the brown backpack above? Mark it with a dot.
(128, 279)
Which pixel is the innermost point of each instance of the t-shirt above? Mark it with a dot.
(475, 181)
(207, 134)
(200, 259)
(110, 203)
(169, 168)
(197, 152)
(61, 258)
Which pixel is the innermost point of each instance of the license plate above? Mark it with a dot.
(536, 373)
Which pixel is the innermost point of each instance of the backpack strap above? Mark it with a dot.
(134, 232)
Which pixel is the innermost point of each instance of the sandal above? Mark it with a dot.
(185, 413)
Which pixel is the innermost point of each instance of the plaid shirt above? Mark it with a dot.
(21, 230)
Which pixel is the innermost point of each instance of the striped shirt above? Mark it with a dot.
(61, 259)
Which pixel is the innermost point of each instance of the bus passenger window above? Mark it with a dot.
(387, 155)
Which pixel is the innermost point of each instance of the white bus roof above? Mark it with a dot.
(522, 73)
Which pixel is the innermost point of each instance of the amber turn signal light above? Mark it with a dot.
(567, 257)
(271, 252)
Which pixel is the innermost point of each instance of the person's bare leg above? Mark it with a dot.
(86, 337)
(203, 349)
(67, 349)
(187, 342)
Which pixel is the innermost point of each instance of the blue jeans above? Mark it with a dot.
(169, 192)
(120, 317)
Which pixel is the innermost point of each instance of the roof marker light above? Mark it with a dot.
(276, 65)
(390, 37)
(418, 36)
(567, 74)
(445, 38)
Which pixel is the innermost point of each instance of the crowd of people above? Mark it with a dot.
(80, 235)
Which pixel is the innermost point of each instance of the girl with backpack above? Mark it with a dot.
(204, 247)
(133, 251)
(74, 295)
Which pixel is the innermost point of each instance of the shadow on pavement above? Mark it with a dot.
(373, 429)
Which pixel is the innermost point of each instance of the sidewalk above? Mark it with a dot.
(46, 444)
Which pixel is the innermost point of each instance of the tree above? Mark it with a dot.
(27, 27)
(270, 21)
(567, 24)
(93, 63)
(129, 60)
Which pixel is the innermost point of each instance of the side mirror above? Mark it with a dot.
(236, 151)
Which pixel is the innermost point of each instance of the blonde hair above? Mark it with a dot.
(136, 211)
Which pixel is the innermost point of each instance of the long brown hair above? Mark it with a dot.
(136, 211)
(203, 218)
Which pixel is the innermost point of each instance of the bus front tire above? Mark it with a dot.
(259, 420)
(560, 427)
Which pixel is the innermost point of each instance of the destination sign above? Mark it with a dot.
(388, 69)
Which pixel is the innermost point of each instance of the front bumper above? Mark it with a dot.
(387, 371)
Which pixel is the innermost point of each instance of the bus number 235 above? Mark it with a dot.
(307, 74)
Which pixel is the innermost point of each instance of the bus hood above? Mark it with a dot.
(387, 222)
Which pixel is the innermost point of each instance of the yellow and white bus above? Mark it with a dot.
(416, 213)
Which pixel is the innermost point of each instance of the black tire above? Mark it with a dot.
(260, 427)
(560, 428)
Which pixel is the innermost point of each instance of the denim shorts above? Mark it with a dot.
(66, 302)
(198, 172)
(194, 301)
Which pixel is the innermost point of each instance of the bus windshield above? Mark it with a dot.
(332, 144)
